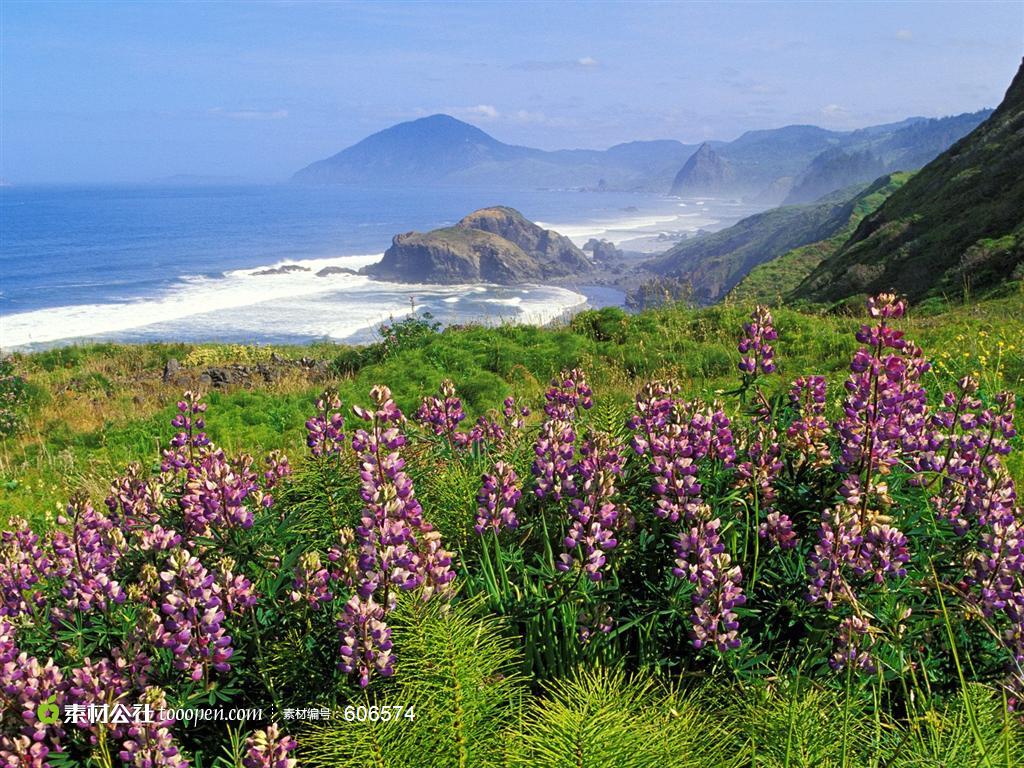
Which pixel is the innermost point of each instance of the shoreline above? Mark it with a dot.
(296, 300)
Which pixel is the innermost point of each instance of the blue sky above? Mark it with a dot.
(95, 91)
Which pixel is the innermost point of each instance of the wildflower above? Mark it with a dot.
(808, 432)
(497, 499)
(192, 616)
(87, 558)
(515, 415)
(310, 581)
(325, 430)
(268, 748)
(757, 353)
(366, 640)
(190, 443)
(23, 564)
(441, 415)
(853, 646)
(220, 493)
(395, 546)
(26, 684)
(151, 744)
(595, 515)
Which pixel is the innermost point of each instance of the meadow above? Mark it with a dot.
(717, 537)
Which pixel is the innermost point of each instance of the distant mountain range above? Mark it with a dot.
(955, 229)
(796, 163)
(440, 150)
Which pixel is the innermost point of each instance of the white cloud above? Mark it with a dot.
(904, 34)
(834, 110)
(478, 111)
(250, 114)
(587, 61)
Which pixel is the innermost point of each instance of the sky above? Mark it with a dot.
(125, 92)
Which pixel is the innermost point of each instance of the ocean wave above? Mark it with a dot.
(294, 305)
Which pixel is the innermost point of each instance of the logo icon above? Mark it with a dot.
(48, 713)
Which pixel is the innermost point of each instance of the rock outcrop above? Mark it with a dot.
(493, 245)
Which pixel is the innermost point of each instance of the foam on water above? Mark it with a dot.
(294, 305)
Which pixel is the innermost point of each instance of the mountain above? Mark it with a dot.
(494, 245)
(772, 281)
(760, 165)
(420, 150)
(956, 226)
(714, 263)
(705, 173)
(799, 163)
(440, 150)
(834, 169)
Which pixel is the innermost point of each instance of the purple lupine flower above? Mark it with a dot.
(497, 499)
(23, 564)
(190, 442)
(191, 617)
(395, 546)
(151, 744)
(441, 414)
(269, 748)
(963, 451)
(87, 558)
(678, 435)
(809, 431)
(553, 467)
(853, 645)
(701, 558)
(485, 431)
(568, 393)
(883, 423)
(758, 474)
(237, 590)
(718, 593)
(105, 682)
(135, 503)
(436, 565)
(310, 581)
(220, 494)
(25, 685)
(277, 469)
(365, 640)
(515, 415)
(325, 431)
(595, 515)
(755, 347)
(777, 528)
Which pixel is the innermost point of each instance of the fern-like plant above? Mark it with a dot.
(457, 677)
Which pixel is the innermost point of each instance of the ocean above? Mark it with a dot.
(181, 263)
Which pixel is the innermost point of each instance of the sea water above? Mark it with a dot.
(161, 263)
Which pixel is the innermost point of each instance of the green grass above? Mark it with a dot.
(95, 408)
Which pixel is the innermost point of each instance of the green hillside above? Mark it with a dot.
(770, 282)
(956, 229)
(716, 263)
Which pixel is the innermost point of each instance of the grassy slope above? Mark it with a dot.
(955, 229)
(714, 263)
(97, 408)
(770, 282)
